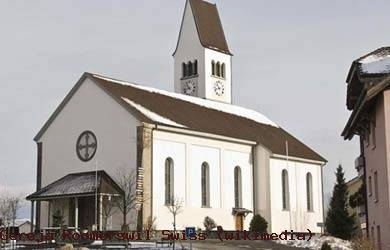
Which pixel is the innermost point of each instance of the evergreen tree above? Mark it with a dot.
(338, 221)
(258, 224)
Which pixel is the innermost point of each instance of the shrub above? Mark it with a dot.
(325, 246)
(209, 223)
(258, 224)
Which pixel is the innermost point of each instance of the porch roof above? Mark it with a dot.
(78, 184)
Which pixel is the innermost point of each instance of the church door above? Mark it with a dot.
(86, 212)
(239, 222)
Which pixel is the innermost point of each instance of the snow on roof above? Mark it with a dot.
(375, 64)
(223, 107)
(151, 115)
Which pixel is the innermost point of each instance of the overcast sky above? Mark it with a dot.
(290, 62)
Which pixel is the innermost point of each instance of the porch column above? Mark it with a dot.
(32, 217)
(100, 212)
(76, 213)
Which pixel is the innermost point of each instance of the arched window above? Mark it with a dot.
(285, 190)
(212, 67)
(184, 70)
(195, 67)
(169, 180)
(205, 185)
(223, 70)
(190, 70)
(237, 187)
(309, 192)
(218, 69)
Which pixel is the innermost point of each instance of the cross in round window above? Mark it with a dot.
(86, 146)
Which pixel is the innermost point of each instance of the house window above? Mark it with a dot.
(372, 133)
(309, 192)
(205, 179)
(376, 185)
(285, 191)
(369, 186)
(169, 180)
(237, 187)
(212, 67)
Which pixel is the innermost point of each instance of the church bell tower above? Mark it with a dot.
(202, 60)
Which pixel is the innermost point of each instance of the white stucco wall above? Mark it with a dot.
(188, 154)
(297, 218)
(90, 108)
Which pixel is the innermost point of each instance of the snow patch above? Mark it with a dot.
(316, 242)
(223, 107)
(151, 115)
(375, 64)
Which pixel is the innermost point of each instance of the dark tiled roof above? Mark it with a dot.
(73, 185)
(199, 118)
(209, 25)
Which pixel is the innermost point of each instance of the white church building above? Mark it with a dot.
(221, 160)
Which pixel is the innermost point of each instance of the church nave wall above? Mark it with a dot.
(188, 153)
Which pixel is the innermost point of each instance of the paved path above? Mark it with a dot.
(238, 244)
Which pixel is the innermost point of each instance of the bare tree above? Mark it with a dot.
(110, 203)
(14, 202)
(175, 207)
(127, 180)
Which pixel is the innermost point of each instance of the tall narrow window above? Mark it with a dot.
(378, 236)
(237, 187)
(218, 69)
(376, 185)
(184, 70)
(195, 67)
(309, 192)
(169, 180)
(205, 185)
(372, 132)
(190, 69)
(285, 191)
(369, 185)
(223, 70)
(212, 67)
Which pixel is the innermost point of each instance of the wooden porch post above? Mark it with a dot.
(32, 217)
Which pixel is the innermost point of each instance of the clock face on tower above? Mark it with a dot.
(189, 87)
(219, 88)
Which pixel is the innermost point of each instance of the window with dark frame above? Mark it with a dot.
(169, 180)
(309, 192)
(237, 187)
(376, 185)
(205, 184)
(285, 190)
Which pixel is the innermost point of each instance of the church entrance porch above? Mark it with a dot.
(80, 201)
(239, 216)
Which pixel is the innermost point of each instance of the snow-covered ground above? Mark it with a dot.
(316, 242)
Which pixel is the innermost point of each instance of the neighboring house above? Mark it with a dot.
(368, 97)
(21, 226)
(359, 210)
(221, 160)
